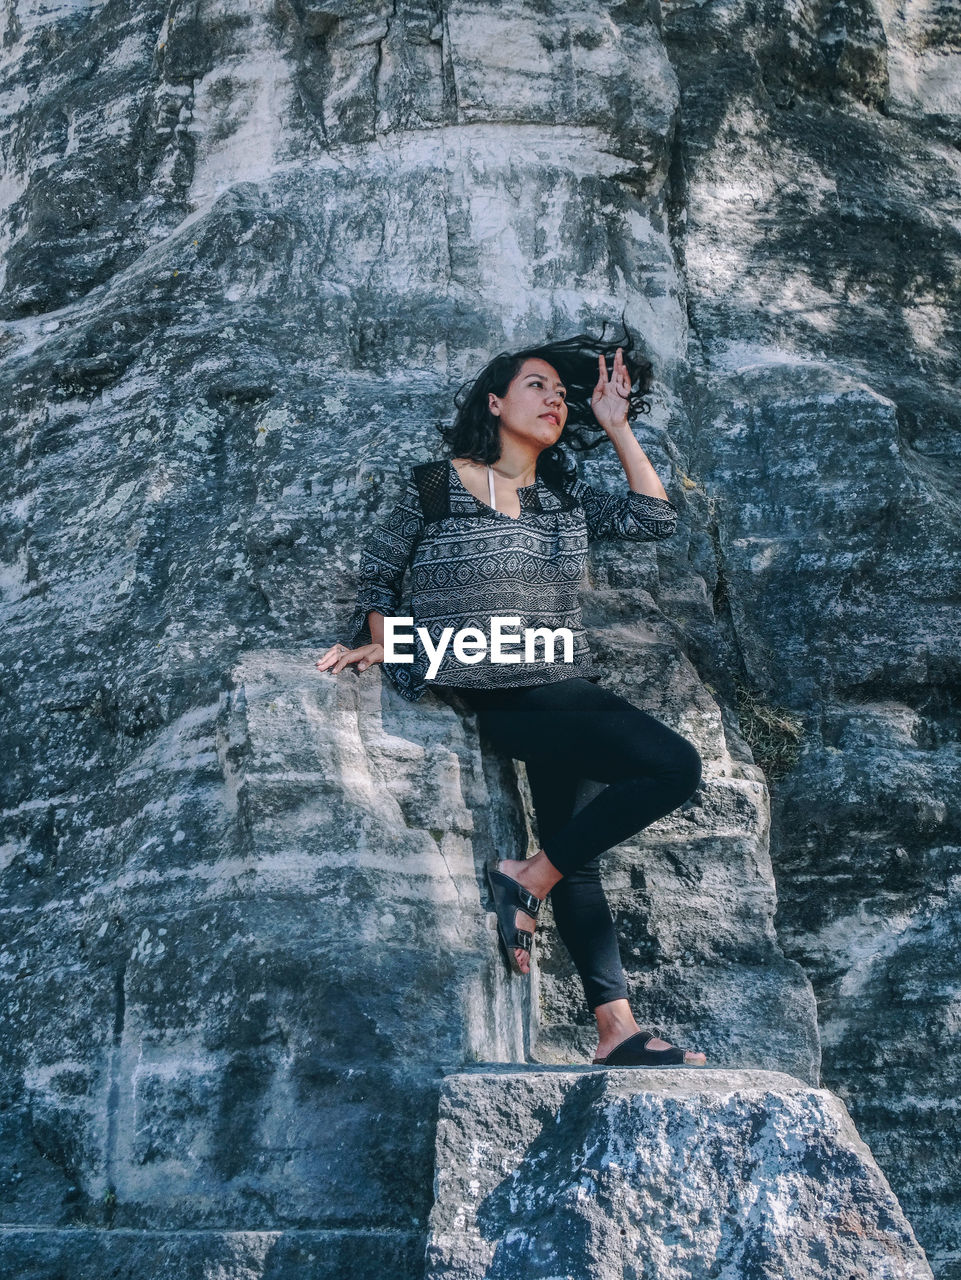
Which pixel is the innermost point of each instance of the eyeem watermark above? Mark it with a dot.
(471, 645)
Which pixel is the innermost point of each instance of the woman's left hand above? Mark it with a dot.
(610, 398)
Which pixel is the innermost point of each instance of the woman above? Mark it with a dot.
(501, 530)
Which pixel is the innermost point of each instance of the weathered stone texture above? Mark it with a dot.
(249, 252)
(669, 1175)
(815, 201)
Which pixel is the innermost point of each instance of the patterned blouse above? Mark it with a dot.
(477, 562)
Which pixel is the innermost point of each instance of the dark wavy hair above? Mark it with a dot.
(475, 432)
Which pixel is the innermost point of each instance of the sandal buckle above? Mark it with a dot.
(530, 904)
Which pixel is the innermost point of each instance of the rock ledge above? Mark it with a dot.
(591, 1172)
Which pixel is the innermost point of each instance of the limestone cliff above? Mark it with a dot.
(250, 248)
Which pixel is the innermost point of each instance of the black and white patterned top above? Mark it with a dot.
(476, 562)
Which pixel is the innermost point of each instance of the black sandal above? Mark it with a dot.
(508, 897)
(633, 1052)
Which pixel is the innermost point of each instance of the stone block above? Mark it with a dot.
(666, 1175)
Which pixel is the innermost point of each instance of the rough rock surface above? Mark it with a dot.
(666, 1175)
(815, 188)
(249, 252)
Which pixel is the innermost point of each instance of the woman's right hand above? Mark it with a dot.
(338, 657)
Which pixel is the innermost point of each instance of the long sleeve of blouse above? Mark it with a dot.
(383, 563)
(639, 517)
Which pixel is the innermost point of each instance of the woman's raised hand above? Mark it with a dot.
(611, 395)
(338, 657)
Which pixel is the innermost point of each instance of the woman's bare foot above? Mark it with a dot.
(616, 1023)
(538, 877)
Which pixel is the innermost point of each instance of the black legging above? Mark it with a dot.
(569, 730)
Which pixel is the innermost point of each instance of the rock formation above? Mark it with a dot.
(661, 1174)
(249, 251)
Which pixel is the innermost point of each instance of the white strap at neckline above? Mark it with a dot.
(490, 485)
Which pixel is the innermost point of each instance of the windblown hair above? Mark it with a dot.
(475, 432)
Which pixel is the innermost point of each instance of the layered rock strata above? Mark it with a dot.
(815, 186)
(249, 253)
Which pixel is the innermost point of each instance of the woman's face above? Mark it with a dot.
(533, 408)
